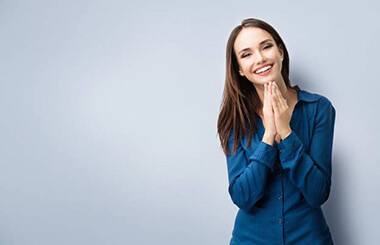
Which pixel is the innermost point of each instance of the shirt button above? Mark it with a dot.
(280, 220)
(280, 197)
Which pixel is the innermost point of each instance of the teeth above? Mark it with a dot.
(263, 69)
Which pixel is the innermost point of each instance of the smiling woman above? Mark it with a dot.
(277, 139)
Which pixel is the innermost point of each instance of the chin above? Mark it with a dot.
(257, 80)
(263, 80)
(273, 77)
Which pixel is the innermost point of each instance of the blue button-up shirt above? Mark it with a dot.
(279, 189)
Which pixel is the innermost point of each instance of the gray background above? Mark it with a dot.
(109, 109)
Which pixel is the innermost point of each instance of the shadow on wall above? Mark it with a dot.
(335, 211)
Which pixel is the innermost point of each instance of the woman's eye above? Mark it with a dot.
(268, 46)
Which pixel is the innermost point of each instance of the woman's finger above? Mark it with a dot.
(270, 88)
(281, 101)
(274, 94)
(266, 93)
(275, 106)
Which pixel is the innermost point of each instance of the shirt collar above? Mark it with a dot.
(304, 95)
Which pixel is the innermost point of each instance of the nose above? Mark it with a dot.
(260, 58)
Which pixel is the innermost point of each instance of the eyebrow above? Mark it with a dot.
(266, 40)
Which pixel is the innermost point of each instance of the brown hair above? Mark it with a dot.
(240, 104)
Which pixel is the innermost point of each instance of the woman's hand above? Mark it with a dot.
(282, 112)
(268, 113)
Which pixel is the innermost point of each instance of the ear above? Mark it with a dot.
(281, 53)
(241, 73)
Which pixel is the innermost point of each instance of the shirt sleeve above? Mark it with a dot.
(248, 174)
(311, 171)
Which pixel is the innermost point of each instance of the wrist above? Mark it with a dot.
(285, 133)
(269, 134)
(268, 138)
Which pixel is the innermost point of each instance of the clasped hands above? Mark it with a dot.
(276, 112)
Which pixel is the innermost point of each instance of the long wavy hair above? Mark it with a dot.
(241, 103)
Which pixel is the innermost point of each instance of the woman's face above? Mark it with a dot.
(255, 48)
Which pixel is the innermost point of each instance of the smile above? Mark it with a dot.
(264, 71)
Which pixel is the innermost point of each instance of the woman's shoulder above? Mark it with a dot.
(309, 96)
(321, 101)
(319, 107)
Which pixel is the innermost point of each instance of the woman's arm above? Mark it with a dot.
(311, 172)
(248, 174)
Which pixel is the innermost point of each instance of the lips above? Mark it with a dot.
(264, 73)
(262, 67)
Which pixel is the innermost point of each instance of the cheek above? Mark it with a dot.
(246, 64)
(274, 54)
(243, 67)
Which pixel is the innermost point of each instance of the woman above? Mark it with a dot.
(278, 143)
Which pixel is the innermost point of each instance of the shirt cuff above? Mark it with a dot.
(265, 154)
(289, 147)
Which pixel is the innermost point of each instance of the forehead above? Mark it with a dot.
(250, 37)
